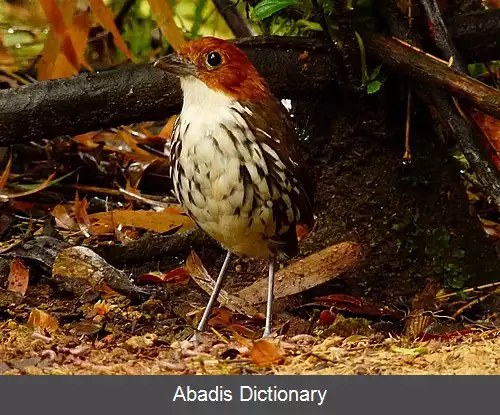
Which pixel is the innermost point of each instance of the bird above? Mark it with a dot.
(234, 160)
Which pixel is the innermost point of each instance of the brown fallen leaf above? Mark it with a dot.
(166, 131)
(491, 130)
(163, 221)
(18, 277)
(201, 276)
(265, 353)
(177, 276)
(306, 273)
(61, 213)
(41, 321)
(102, 307)
(5, 174)
(81, 215)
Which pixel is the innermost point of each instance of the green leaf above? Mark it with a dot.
(364, 70)
(51, 183)
(267, 8)
(375, 72)
(373, 87)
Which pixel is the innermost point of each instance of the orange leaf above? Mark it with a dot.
(106, 19)
(5, 174)
(491, 129)
(18, 277)
(82, 217)
(78, 32)
(102, 307)
(167, 130)
(52, 45)
(164, 221)
(55, 16)
(177, 276)
(40, 320)
(164, 17)
(265, 353)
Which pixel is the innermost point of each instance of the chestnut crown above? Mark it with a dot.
(219, 64)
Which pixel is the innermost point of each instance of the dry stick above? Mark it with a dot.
(236, 22)
(440, 35)
(407, 154)
(426, 69)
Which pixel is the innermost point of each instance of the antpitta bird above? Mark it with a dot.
(235, 166)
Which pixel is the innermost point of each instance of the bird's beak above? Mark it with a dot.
(176, 64)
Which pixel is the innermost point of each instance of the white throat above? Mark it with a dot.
(199, 97)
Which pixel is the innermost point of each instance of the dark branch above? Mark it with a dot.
(236, 22)
(140, 93)
(447, 120)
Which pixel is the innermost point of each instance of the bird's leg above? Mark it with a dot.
(215, 293)
(270, 298)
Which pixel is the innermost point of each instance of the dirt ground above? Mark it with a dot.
(26, 353)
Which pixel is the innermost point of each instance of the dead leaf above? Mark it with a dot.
(52, 44)
(491, 228)
(81, 215)
(18, 277)
(265, 353)
(6, 172)
(102, 307)
(79, 33)
(164, 16)
(167, 131)
(491, 129)
(106, 19)
(176, 276)
(201, 276)
(342, 302)
(416, 351)
(53, 13)
(63, 218)
(42, 321)
(306, 273)
(163, 221)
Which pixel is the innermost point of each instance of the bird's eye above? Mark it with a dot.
(214, 59)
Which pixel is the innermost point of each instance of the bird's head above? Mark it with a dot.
(220, 65)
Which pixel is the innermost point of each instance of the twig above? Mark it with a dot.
(120, 17)
(148, 200)
(446, 117)
(440, 34)
(443, 41)
(407, 154)
(236, 22)
(478, 300)
(468, 290)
